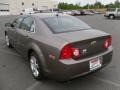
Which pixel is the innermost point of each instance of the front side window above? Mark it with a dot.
(61, 24)
(27, 24)
(17, 22)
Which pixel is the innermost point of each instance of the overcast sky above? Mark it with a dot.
(83, 2)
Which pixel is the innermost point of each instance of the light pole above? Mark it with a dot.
(88, 6)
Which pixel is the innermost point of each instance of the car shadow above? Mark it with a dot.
(117, 18)
(82, 83)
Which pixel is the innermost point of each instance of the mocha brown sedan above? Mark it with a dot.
(59, 46)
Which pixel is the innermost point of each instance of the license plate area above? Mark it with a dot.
(95, 63)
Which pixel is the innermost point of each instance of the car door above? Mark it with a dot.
(12, 29)
(118, 12)
(22, 33)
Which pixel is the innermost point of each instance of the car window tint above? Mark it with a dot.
(17, 22)
(65, 24)
(26, 23)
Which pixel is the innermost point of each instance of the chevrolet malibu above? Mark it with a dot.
(59, 46)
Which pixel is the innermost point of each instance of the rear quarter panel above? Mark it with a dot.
(44, 43)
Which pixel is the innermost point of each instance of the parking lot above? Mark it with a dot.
(15, 73)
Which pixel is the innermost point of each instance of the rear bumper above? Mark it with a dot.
(69, 69)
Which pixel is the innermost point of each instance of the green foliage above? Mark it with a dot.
(66, 6)
(97, 5)
(116, 4)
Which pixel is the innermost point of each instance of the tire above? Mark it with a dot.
(8, 41)
(111, 17)
(35, 66)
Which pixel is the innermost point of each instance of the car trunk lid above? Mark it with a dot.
(89, 42)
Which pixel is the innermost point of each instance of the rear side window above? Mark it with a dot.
(65, 24)
(17, 22)
(27, 23)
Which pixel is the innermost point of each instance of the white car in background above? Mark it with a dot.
(28, 11)
(67, 12)
(87, 12)
(76, 12)
(112, 13)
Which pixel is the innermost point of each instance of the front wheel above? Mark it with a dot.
(8, 41)
(35, 66)
(111, 16)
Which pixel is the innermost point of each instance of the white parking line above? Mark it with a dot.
(106, 81)
(33, 86)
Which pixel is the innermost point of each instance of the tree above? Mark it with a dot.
(111, 5)
(117, 4)
(98, 5)
(66, 6)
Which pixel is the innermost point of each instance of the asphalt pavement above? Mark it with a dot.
(15, 73)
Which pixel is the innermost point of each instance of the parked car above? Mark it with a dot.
(75, 13)
(55, 10)
(95, 12)
(87, 12)
(112, 13)
(43, 11)
(27, 11)
(82, 12)
(59, 46)
(67, 12)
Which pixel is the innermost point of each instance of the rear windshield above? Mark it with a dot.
(65, 24)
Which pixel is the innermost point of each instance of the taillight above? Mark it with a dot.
(69, 52)
(76, 52)
(107, 42)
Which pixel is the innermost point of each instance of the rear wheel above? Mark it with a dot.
(35, 66)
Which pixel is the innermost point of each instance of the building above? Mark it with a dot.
(4, 7)
(17, 6)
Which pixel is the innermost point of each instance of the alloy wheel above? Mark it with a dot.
(34, 66)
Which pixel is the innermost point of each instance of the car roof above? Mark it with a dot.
(47, 15)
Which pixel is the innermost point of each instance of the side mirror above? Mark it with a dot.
(12, 25)
(7, 25)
